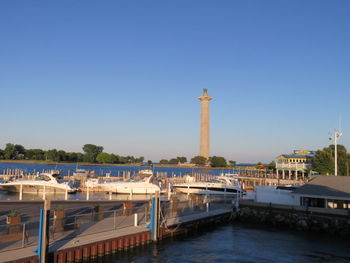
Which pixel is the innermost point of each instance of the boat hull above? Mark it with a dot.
(205, 190)
(34, 189)
(130, 188)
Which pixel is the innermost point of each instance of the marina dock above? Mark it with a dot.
(88, 229)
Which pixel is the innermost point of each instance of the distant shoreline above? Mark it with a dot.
(111, 164)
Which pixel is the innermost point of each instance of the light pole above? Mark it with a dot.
(336, 136)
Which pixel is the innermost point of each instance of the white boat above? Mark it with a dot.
(137, 187)
(222, 185)
(146, 172)
(143, 186)
(48, 181)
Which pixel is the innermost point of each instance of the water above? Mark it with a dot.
(241, 243)
(101, 170)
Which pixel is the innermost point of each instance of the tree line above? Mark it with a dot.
(92, 154)
(323, 162)
(214, 161)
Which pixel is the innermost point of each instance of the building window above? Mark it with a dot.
(338, 204)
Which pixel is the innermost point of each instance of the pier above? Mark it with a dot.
(83, 230)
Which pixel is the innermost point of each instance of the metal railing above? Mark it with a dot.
(74, 223)
(62, 228)
(195, 206)
(17, 236)
(95, 222)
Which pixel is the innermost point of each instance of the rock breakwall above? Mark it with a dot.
(302, 221)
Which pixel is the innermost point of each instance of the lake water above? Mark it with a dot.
(101, 170)
(241, 243)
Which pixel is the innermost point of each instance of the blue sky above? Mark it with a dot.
(126, 75)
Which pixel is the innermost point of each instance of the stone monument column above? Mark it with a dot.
(204, 148)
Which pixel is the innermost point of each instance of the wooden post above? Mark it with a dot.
(169, 190)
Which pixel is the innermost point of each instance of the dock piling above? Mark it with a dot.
(114, 219)
(20, 192)
(44, 193)
(135, 219)
(24, 235)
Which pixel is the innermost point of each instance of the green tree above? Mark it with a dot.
(105, 158)
(149, 162)
(323, 161)
(80, 157)
(1, 154)
(173, 161)
(199, 160)
(140, 159)
(35, 154)
(19, 149)
(163, 161)
(114, 158)
(91, 152)
(271, 166)
(182, 159)
(52, 155)
(218, 161)
(232, 163)
(9, 151)
(122, 159)
(71, 157)
(62, 156)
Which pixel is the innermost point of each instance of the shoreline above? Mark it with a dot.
(112, 164)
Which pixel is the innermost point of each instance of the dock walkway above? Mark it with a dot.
(109, 229)
(27, 252)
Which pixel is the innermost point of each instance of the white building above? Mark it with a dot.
(321, 191)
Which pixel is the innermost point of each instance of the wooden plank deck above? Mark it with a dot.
(74, 242)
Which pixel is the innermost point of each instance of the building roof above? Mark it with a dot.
(330, 186)
(296, 156)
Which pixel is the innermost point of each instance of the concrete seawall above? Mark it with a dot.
(269, 215)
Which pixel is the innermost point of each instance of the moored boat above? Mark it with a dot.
(142, 186)
(221, 185)
(49, 182)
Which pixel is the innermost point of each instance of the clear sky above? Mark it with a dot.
(126, 75)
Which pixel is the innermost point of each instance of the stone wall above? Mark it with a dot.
(302, 221)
